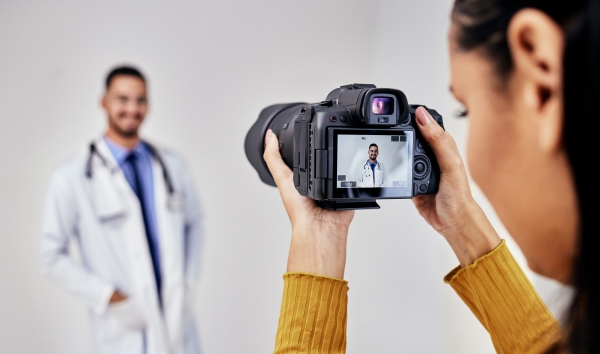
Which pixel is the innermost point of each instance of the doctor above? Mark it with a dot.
(135, 215)
(372, 174)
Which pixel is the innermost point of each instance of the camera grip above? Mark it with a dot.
(426, 171)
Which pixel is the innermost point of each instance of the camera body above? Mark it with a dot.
(359, 145)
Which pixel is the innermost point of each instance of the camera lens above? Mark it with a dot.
(382, 105)
(280, 118)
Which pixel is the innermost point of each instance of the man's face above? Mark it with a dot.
(373, 153)
(126, 104)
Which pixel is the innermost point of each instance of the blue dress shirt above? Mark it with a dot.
(144, 160)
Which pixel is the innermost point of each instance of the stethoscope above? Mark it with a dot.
(368, 170)
(174, 200)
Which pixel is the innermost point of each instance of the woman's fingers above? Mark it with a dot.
(279, 170)
(282, 175)
(441, 142)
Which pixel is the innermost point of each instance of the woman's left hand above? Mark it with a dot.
(452, 211)
(319, 236)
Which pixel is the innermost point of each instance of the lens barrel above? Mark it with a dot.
(279, 118)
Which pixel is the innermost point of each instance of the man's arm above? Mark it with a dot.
(58, 224)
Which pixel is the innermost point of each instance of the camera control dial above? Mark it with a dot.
(421, 167)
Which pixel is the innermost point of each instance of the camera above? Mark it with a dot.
(358, 145)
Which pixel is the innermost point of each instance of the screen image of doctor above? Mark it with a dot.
(135, 214)
(372, 173)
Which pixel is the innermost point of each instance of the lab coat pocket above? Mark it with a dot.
(124, 317)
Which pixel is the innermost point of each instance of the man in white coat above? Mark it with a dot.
(372, 173)
(134, 214)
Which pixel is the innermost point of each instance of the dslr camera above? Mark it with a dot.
(359, 145)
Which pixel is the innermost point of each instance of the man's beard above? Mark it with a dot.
(123, 133)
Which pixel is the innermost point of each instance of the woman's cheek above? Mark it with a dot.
(477, 159)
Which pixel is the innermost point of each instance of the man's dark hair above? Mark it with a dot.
(123, 70)
(373, 145)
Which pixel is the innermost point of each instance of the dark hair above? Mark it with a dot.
(123, 70)
(483, 24)
(373, 145)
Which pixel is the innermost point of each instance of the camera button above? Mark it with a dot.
(333, 118)
(343, 119)
(423, 188)
(421, 167)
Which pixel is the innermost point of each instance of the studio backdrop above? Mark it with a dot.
(211, 67)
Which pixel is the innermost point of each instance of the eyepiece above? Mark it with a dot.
(382, 105)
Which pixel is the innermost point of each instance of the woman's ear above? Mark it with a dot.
(536, 44)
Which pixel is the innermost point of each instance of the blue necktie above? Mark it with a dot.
(137, 187)
(373, 169)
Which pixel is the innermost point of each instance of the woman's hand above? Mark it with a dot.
(318, 236)
(452, 211)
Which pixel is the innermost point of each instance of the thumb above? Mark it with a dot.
(439, 140)
(279, 170)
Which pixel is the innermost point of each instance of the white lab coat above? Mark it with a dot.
(366, 176)
(103, 215)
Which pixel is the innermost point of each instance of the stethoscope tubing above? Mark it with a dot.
(367, 168)
(94, 151)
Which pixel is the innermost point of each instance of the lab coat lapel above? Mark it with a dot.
(138, 254)
(107, 199)
(170, 230)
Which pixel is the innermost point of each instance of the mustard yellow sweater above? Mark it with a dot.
(314, 308)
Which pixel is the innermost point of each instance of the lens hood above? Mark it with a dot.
(254, 144)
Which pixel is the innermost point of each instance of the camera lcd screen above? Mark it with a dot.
(374, 164)
(382, 105)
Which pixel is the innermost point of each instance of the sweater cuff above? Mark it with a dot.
(506, 303)
(313, 314)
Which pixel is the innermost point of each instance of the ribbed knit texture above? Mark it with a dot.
(313, 315)
(314, 308)
(500, 295)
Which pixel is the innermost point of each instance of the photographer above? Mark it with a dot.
(528, 72)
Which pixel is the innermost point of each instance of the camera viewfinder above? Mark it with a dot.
(382, 105)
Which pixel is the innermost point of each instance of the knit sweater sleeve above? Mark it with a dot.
(497, 291)
(313, 315)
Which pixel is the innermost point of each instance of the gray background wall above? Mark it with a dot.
(212, 65)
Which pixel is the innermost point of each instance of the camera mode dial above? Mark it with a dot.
(421, 167)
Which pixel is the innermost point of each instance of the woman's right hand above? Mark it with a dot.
(319, 236)
(452, 211)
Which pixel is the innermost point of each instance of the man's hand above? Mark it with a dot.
(117, 297)
(318, 236)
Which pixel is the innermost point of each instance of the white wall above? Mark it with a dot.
(212, 66)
